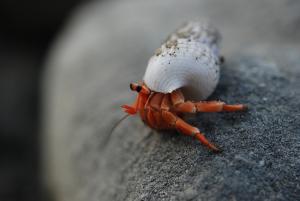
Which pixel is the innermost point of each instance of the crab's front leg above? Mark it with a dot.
(207, 106)
(132, 109)
(185, 128)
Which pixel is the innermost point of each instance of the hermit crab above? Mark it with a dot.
(186, 65)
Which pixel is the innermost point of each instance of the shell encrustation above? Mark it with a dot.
(189, 59)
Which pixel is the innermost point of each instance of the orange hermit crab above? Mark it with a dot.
(186, 64)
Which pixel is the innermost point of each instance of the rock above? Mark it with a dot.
(107, 45)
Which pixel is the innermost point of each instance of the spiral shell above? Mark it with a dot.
(189, 59)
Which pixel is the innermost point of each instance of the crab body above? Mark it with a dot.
(163, 111)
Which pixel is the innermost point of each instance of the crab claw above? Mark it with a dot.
(129, 109)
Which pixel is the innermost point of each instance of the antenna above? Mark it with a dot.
(117, 123)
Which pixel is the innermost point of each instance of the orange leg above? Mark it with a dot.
(208, 106)
(187, 129)
(131, 109)
(137, 105)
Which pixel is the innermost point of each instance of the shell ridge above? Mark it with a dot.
(188, 59)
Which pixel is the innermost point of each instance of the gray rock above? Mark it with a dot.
(107, 45)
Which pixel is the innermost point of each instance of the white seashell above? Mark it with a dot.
(189, 59)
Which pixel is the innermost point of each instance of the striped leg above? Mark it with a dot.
(187, 129)
(208, 106)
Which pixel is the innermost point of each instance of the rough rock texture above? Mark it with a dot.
(107, 45)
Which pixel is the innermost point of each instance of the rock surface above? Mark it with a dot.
(107, 45)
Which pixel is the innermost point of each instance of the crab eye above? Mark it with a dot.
(138, 88)
(135, 87)
(131, 87)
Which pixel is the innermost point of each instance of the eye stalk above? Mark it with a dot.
(139, 88)
(135, 87)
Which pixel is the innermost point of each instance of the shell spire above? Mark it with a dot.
(188, 59)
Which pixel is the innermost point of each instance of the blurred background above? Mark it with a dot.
(27, 29)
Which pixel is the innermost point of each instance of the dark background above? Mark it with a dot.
(26, 32)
